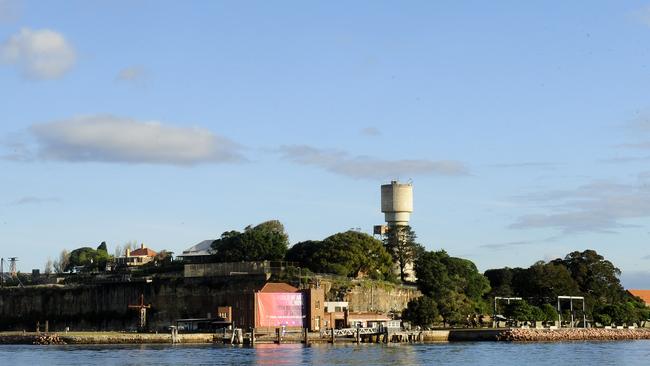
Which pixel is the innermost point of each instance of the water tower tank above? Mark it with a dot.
(397, 203)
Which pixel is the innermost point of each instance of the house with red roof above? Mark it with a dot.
(137, 257)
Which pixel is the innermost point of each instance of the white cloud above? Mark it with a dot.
(341, 162)
(32, 200)
(507, 245)
(526, 164)
(40, 54)
(371, 132)
(133, 74)
(122, 140)
(639, 145)
(596, 207)
(626, 159)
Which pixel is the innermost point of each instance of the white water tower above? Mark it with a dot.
(397, 203)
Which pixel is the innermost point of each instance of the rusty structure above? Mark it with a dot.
(143, 311)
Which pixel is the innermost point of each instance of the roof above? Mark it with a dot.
(368, 316)
(200, 249)
(278, 287)
(643, 294)
(141, 252)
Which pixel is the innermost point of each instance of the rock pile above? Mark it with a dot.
(574, 334)
(48, 339)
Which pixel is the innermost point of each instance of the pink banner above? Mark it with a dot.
(278, 309)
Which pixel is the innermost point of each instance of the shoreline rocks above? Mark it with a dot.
(572, 334)
(46, 340)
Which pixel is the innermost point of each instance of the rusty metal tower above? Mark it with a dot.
(143, 311)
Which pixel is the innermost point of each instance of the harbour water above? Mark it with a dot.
(470, 353)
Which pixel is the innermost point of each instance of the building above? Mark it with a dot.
(336, 314)
(367, 320)
(199, 253)
(276, 305)
(209, 323)
(397, 206)
(315, 308)
(137, 257)
(642, 294)
(397, 203)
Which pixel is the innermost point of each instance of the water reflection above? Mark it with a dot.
(501, 354)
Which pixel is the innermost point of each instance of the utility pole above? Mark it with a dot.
(2, 272)
(143, 311)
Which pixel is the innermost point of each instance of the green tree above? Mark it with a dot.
(500, 281)
(537, 314)
(454, 283)
(351, 254)
(354, 254)
(266, 241)
(86, 257)
(602, 318)
(642, 313)
(101, 256)
(466, 278)
(437, 272)
(304, 253)
(103, 247)
(454, 308)
(432, 274)
(595, 276)
(400, 242)
(550, 314)
(544, 282)
(519, 310)
(422, 311)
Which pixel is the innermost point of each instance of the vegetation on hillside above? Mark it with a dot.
(266, 241)
(454, 292)
(349, 253)
(587, 274)
(401, 243)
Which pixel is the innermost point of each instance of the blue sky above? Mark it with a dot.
(525, 126)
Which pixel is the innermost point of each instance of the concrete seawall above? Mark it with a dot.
(101, 338)
(451, 335)
(462, 335)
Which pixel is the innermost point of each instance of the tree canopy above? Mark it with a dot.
(585, 273)
(400, 242)
(454, 283)
(88, 258)
(350, 253)
(422, 311)
(266, 241)
(594, 275)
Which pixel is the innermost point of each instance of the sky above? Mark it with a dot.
(524, 126)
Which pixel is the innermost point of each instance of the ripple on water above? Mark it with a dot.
(486, 353)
